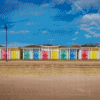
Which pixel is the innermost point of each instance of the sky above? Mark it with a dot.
(60, 22)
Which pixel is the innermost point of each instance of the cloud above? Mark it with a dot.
(87, 3)
(88, 29)
(87, 36)
(85, 6)
(23, 31)
(96, 35)
(15, 32)
(94, 31)
(74, 38)
(16, 44)
(71, 43)
(31, 23)
(46, 5)
(94, 18)
(91, 25)
(44, 31)
(76, 33)
(84, 25)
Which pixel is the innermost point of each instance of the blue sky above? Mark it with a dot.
(67, 22)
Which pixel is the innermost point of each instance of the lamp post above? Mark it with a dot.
(6, 41)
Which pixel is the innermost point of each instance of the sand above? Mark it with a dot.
(49, 68)
(50, 80)
(50, 88)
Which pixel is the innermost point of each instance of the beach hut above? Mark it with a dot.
(99, 53)
(84, 53)
(73, 52)
(63, 52)
(50, 52)
(36, 53)
(89, 53)
(3, 53)
(27, 53)
(94, 53)
(15, 53)
(0, 53)
(45, 52)
(32, 52)
(12, 53)
(55, 52)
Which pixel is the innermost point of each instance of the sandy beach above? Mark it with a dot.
(50, 80)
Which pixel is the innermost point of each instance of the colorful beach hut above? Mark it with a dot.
(94, 53)
(50, 52)
(89, 53)
(73, 52)
(27, 53)
(36, 53)
(63, 52)
(45, 52)
(32, 52)
(3, 53)
(0, 53)
(55, 52)
(15, 53)
(99, 53)
(12, 53)
(84, 53)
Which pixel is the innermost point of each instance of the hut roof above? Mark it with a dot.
(31, 46)
(75, 45)
(50, 46)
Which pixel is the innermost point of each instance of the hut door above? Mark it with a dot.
(4, 54)
(84, 54)
(99, 54)
(63, 54)
(14, 54)
(27, 54)
(94, 54)
(54, 54)
(73, 54)
(36, 54)
(45, 54)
